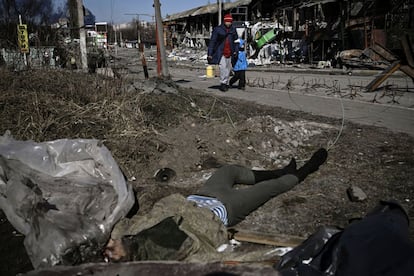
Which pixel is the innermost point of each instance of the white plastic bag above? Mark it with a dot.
(61, 195)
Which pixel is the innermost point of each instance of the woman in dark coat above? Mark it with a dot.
(222, 48)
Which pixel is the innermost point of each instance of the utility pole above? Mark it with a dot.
(219, 11)
(82, 36)
(115, 41)
(160, 40)
(114, 27)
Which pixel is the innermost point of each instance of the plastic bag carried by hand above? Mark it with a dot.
(63, 195)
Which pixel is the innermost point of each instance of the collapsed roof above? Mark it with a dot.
(207, 9)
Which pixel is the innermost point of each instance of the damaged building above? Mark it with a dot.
(293, 31)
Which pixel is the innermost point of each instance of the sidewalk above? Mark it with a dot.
(395, 117)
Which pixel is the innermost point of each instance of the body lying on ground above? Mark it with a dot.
(193, 227)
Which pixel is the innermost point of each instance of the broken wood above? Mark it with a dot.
(407, 70)
(265, 238)
(408, 51)
(383, 76)
(387, 55)
(383, 52)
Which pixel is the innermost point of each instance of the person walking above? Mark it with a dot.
(222, 48)
(240, 67)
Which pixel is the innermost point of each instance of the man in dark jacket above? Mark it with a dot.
(222, 48)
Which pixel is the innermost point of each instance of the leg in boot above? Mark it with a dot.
(271, 174)
(223, 87)
(232, 81)
(241, 202)
(242, 82)
(236, 76)
(317, 159)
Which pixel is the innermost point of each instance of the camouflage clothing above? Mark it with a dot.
(174, 229)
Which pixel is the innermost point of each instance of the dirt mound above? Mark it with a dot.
(192, 133)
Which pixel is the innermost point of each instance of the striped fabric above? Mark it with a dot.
(211, 203)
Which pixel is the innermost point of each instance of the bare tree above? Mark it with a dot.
(33, 11)
(7, 10)
(38, 14)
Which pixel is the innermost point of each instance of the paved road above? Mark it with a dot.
(325, 92)
(396, 117)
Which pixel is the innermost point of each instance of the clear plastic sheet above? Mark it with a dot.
(63, 195)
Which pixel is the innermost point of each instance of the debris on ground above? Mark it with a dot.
(64, 196)
(191, 133)
(356, 194)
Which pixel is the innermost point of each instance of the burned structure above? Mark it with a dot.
(299, 31)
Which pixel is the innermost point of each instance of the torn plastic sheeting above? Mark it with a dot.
(61, 194)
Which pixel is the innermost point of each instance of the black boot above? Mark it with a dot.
(266, 175)
(317, 159)
(224, 87)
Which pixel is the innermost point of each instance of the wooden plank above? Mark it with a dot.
(265, 238)
(383, 52)
(357, 21)
(407, 70)
(372, 54)
(405, 42)
(383, 76)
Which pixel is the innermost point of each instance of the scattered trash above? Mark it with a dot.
(279, 251)
(229, 247)
(378, 242)
(63, 195)
(165, 175)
